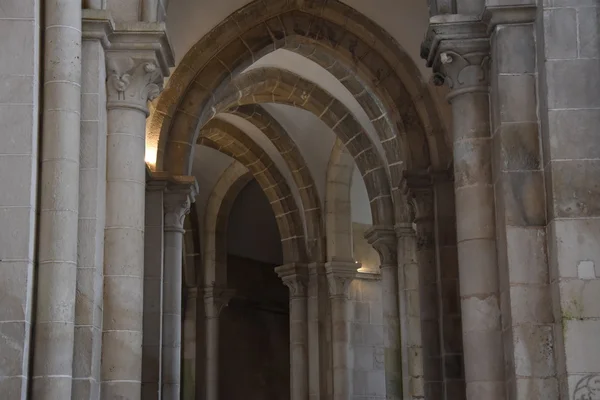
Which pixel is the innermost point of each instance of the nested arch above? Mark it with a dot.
(218, 208)
(218, 135)
(271, 85)
(357, 43)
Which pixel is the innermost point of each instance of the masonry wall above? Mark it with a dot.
(19, 108)
(568, 47)
(254, 334)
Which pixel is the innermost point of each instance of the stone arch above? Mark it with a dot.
(338, 204)
(222, 136)
(382, 75)
(303, 179)
(271, 85)
(221, 199)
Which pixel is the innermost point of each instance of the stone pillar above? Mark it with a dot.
(215, 298)
(153, 278)
(295, 277)
(92, 202)
(188, 376)
(422, 198)
(339, 277)
(149, 10)
(177, 200)
(383, 240)
(458, 51)
(59, 202)
(410, 313)
(136, 63)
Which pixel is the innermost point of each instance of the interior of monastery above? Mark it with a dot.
(299, 200)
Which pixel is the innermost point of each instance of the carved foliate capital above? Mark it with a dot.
(215, 299)
(137, 61)
(457, 47)
(179, 195)
(131, 83)
(339, 277)
(295, 277)
(384, 241)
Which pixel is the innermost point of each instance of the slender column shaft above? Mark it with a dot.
(59, 202)
(383, 239)
(92, 195)
(295, 277)
(214, 300)
(189, 345)
(149, 10)
(339, 277)
(153, 297)
(177, 202)
(410, 322)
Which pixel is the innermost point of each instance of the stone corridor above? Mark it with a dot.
(299, 200)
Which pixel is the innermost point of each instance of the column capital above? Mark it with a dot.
(215, 299)
(404, 229)
(339, 276)
(137, 61)
(180, 193)
(457, 47)
(295, 277)
(385, 242)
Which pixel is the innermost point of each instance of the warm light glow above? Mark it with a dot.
(150, 156)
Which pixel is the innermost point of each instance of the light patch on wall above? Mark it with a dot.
(150, 156)
(586, 270)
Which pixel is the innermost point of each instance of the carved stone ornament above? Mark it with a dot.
(215, 299)
(339, 277)
(132, 83)
(295, 277)
(177, 206)
(588, 388)
(385, 242)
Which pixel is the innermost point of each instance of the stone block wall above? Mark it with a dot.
(568, 57)
(366, 338)
(19, 110)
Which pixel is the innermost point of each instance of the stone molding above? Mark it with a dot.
(404, 229)
(97, 25)
(138, 58)
(180, 193)
(457, 48)
(339, 276)
(215, 299)
(384, 241)
(295, 277)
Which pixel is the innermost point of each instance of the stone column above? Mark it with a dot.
(422, 198)
(153, 278)
(136, 63)
(383, 240)
(215, 298)
(339, 277)
(59, 201)
(178, 197)
(96, 26)
(188, 390)
(458, 51)
(410, 311)
(295, 277)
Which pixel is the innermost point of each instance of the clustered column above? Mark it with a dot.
(134, 77)
(177, 200)
(459, 55)
(295, 277)
(339, 278)
(383, 240)
(215, 298)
